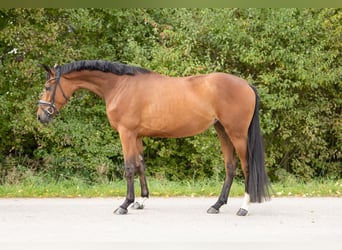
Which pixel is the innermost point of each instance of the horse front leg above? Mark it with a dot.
(129, 169)
(131, 156)
(143, 184)
(142, 178)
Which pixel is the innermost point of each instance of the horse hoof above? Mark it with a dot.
(120, 210)
(242, 212)
(213, 210)
(138, 205)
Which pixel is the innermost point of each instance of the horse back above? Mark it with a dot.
(157, 105)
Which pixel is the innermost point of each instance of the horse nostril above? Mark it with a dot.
(38, 117)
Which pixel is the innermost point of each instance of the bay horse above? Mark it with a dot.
(140, 102)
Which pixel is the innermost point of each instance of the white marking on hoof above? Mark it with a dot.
(245, 203)
(142, 200)
(139, 204)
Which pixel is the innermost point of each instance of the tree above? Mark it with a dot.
(293, 56)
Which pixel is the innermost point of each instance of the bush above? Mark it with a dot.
(292, 56)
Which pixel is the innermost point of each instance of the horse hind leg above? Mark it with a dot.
(240, 144)
(230, 167)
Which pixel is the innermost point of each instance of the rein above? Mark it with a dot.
(51, 104)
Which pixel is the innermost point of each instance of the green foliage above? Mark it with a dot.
(293, 56)
(36, 186)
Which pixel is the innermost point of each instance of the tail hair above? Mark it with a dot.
(257, 183)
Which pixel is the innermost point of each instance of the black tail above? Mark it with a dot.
(257, 183)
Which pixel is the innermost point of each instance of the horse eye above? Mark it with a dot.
(48, 88)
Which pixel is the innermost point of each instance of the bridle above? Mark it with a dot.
(52, 109)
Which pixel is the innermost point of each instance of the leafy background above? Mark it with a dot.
(293, 56)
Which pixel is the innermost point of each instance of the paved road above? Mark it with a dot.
(311, 220)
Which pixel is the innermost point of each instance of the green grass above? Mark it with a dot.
(37, 187)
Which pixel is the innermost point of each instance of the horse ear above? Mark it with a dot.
(47, 69)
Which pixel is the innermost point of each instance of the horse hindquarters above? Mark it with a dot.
(241, 124)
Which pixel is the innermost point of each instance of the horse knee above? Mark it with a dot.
(129, 171)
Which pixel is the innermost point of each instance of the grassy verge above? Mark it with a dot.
(37, 187)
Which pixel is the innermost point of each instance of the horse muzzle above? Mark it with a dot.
(46, 111)
(44, 117)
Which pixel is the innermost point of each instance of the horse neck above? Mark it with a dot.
(100, 83)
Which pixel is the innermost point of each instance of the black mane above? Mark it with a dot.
(104, 66)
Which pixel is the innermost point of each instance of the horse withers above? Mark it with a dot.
(140, 102)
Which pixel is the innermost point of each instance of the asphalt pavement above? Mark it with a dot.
(314, 221)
